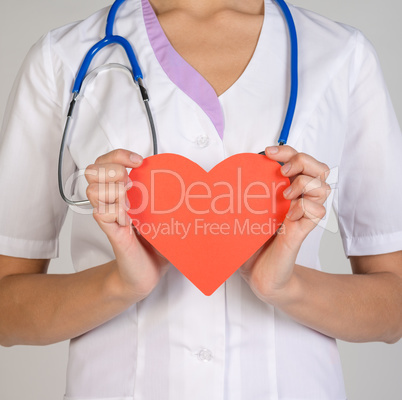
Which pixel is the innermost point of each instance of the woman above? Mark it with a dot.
(140, 329)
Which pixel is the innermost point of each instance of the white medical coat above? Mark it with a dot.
(179, 344)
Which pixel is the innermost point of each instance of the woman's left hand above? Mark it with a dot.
(270, 271)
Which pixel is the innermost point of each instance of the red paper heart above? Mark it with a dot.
(207, 224)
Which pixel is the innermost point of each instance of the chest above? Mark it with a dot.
(218, 47)
(192, 121)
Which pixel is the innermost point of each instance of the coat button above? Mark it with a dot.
(205, 355)
(202, 141)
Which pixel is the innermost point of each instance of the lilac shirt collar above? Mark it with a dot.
(180, 72)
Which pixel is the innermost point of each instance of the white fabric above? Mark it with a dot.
(158, 348)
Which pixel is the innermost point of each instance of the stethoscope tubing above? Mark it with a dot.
(137, 76)
(294, 73)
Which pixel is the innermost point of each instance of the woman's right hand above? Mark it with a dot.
(139, 267)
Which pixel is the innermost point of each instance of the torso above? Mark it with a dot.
(219, 46)
(175, 322)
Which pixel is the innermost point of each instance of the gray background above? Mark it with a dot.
(372, 371)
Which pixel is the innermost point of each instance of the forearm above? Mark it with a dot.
(355, 308)
(41, 309)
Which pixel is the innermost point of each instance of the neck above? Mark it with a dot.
(207, 7)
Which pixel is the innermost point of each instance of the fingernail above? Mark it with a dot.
(285, 169)
(272, 149)
(287, 191)
(135, 158)
(289, 214)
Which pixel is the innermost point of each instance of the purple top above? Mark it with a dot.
(180, 72)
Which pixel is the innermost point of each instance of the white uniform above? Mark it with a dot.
(179, 344)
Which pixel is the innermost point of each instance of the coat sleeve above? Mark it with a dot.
(368, 203)
(32, 212)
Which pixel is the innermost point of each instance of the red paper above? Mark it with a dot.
(207, 224)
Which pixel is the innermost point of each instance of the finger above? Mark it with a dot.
(105, 173)
(280, 153)
(309, 187)
(306, 208)
(123, 157)
(296, 163)
(115, 213)
(108, 193)
(305, 164)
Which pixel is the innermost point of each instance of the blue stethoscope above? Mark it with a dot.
(136, 73)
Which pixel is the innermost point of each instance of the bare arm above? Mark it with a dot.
(366, 306)
(363, 307)
(41, 309)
